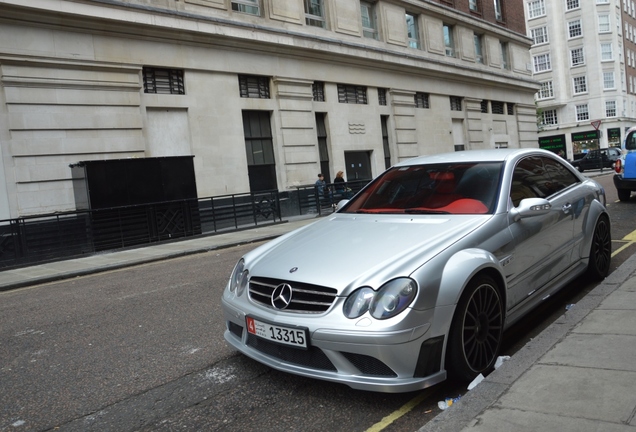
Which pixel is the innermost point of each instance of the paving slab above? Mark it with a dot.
(560, 390)
(608, 321)
(615, 352)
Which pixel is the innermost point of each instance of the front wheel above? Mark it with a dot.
(601, 250)
(623, 194)
(476, 330)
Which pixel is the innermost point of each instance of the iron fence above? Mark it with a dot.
(311, 201)
(31, 239)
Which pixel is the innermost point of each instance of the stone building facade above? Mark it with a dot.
(264, 93)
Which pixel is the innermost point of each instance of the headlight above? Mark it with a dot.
(357, 304)
(239, 277)
(391, 299)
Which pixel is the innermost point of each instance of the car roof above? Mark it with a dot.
(493, 155)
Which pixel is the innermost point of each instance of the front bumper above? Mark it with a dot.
(394, 361)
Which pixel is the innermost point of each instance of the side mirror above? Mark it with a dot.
(530, 207)
(341, 204)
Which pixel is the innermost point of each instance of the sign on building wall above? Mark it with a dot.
(554, 143)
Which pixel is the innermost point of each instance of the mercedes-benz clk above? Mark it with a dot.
(419, 274)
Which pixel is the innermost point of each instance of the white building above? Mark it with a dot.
(583, 54)
(264, 93)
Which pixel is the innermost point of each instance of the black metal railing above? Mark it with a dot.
(31, 239)
(311, 201)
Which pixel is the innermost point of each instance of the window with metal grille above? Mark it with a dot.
(352, 94)
(246, 6)
(163, 81)
(540, 35)
(315, 13)
(577, 57)
(254, 86)
(382, 96)
(421, 100)
(575, 29)
(546, 91)
(549, 117)
(497, 107)
(580, 84)
(484, 106)
(455, 103)
(510, 107)
(582, 113)
(318, 89)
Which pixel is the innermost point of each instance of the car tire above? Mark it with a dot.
(601, 250)
(580, 168)
(624, 194)
(476, 330)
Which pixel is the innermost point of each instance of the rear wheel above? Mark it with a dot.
(624, 194)
(601, 250)
(476, 330)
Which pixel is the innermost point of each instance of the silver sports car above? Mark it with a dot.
(419, 274)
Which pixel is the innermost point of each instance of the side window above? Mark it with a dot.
(525, 180)
(560, 177)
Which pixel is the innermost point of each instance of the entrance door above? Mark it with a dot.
(358, 165)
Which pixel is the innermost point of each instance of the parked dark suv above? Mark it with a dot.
(595, 159)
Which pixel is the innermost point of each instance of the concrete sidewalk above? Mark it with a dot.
(578, 375)
(49, 272)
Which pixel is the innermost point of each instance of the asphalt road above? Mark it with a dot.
(142, 349)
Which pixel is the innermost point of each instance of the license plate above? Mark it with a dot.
(284, 335)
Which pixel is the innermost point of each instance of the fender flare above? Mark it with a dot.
(596, 211)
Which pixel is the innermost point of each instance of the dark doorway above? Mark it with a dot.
(358, 165)
(322, 146)
(259, 148)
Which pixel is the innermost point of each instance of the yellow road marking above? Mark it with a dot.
(386, 421)
(629, 240)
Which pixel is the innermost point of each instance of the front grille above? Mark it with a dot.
(369, 365)
(306, 298)
(312, 357)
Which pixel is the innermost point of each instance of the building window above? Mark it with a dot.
(259, 148)
(473, 5)
(479, 57)
(352, 94)
(382, 96)
(484, 107)
(421, 100)
(542, 63)
(449, 42)
(549, 118)
(610, 108)
(603, 23)
(455, 103)
(546, 91)
(246, 6)
(510, 108)
(571, 4)
(315, 13)
(499, 10)
(504, 55)
(539, 35)
(318, 89)
(163, 81)
(574, 29)
(608, 81)
(582, 113)
(536, 8)
(252, 86)
(606, 51)
(497, 107)
(369, 22)
(577, 57)
(580, 85)
(412, 31)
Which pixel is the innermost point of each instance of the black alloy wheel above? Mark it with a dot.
(477, 330)
(601, 249)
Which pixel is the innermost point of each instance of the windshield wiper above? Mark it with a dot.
(424, 211)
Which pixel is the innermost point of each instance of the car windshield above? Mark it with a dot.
(449, 188)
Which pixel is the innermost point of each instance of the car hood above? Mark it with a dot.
(345, 251)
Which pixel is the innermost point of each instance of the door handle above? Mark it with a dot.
(566, 208)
